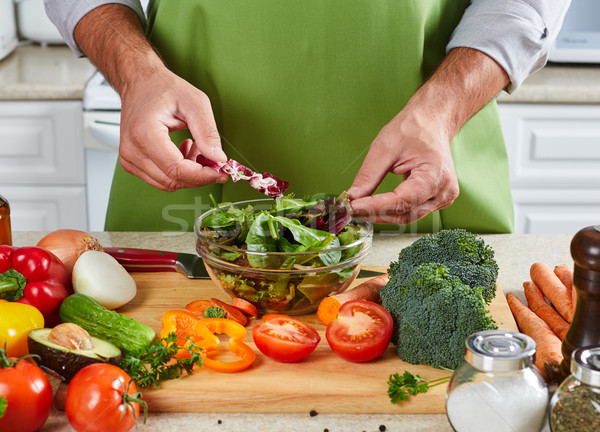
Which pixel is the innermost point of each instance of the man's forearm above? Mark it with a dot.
(464, 82)
(113, 39)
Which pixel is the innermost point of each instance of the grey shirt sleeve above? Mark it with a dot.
(517, 34)
(65, 14)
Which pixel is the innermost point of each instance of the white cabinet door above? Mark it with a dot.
(40, 142)
(46, 208)
(554, 156)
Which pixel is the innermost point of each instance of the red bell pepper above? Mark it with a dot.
(34, 276)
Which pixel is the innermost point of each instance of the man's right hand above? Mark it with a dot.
(154, 102)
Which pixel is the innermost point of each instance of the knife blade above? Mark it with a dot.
(149, 260)
(190, 265)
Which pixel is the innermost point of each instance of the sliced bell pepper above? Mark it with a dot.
(34, 276)
(16, 320)
(187, 325)
(237, 334)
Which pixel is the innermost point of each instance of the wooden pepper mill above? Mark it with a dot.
(585, 328)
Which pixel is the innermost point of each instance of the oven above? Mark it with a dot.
(101, 121)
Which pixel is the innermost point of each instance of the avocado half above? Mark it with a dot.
(65, 362)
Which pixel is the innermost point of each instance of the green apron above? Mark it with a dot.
(300, 89)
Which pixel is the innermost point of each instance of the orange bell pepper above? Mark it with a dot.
(187, 325)
(203, 332)
(237, 334)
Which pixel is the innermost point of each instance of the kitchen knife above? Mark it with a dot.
(190, 265)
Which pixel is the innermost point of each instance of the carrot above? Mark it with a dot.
(538, 304)
(368, 290)
(245, 306)
(554, 290)
(565, 274)
(548, 346)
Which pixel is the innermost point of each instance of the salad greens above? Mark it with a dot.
(311, 230)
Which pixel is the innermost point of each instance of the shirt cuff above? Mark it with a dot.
(511, 32)
(65, 14)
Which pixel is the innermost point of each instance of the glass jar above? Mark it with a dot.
(5, 228)
(497, 388)
(575, 406)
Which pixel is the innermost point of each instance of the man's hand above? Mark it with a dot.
(416, 143)
(152, 108)
(155, 102)
(410, 147)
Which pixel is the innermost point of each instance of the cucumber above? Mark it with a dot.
(124, 332)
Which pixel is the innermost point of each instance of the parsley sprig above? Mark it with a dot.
(158, 362)
(409, 384)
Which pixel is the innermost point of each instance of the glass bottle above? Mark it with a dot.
(497, 388)
(575, 406)
(5, 228)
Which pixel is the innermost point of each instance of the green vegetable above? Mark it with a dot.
(3, 406)
(214, 312)
(434, 313)
(464, 254)
(408, 384)
(124, 332)
(158, 363)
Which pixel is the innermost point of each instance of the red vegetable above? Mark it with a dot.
(34, 276)
(102, 397)
(27, 394)
(361, 331)
(284, 338)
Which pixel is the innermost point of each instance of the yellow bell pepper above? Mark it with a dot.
(16, 321)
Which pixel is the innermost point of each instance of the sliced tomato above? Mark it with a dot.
(245, 306)
(284, 338)
(361, 331)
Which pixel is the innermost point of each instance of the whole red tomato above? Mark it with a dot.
(361, 331)
(27, 393)
(284, 338)
(102, 397)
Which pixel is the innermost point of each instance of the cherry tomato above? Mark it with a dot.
(361, 331)
(102, 397)
(27, 393)
(284, 338)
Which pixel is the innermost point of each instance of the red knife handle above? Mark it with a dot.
(143, 260)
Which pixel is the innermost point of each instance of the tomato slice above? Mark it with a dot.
(285, 339)
(361, 332)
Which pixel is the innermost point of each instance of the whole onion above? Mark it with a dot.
(69, 244)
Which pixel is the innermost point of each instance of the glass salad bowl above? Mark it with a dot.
(283, 255)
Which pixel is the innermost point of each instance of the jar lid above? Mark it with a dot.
(499, 351)
(586, 365)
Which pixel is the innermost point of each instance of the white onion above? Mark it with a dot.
(101, 277)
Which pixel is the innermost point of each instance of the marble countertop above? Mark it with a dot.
(514, 253)
(34, 72)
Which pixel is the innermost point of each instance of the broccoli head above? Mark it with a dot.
(463, 253)
(434, 313)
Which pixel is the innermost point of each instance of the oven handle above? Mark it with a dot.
(106, 132)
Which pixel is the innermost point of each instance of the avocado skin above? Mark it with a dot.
(63, 363)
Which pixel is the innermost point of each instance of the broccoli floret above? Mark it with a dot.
(464, 254)
(434, 313)
(214, 312)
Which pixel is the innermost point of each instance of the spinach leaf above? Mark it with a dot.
(259, 239)
(311, 238)
(333, 257)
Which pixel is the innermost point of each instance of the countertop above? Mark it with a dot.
(34, 72)
(514, 253)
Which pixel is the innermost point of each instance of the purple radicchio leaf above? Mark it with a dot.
(336, 213)
(265, 183)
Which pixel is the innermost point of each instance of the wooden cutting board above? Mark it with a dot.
(322, 382)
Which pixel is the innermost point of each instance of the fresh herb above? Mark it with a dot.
(214, 312)
(408, 384)
(3, 406)
(158, 362)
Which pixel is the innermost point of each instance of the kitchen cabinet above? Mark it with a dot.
(554, 156)
(42, 164)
